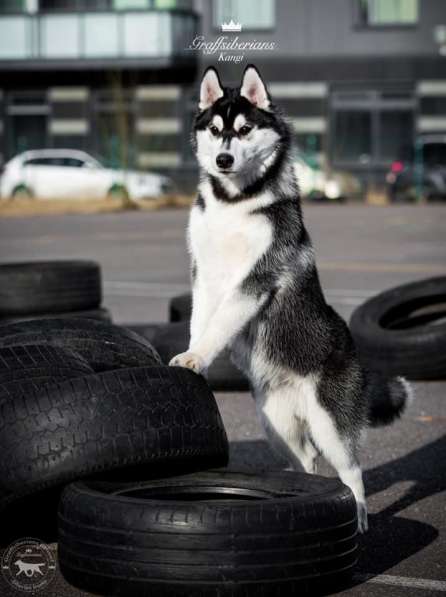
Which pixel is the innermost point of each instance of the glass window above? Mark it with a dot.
(12, 6)
(131, 4)
(388, 12)
(165, 4)
(14, 38)
(396, 133)
(352, 137)
(146, 34)
(60, 36)
(27, 132)
(73, 163)
(43, 162)
(374, 132)
(73, 5)
(434, 154)
(251, 14)
(101, 35)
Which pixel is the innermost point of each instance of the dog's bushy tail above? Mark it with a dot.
(387, 399)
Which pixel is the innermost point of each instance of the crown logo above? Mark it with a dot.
(231, 26)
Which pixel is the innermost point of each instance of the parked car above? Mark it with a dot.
(73, 174)
(316, 183)
(420, 173)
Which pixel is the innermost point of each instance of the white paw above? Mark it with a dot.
(363, 524)
(189, 360)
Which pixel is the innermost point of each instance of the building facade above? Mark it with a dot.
(359, 79)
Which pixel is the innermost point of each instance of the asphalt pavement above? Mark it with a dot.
(361, 250)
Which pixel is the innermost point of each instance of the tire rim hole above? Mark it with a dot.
(422, 311)
(197, 494)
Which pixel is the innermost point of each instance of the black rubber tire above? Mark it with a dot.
(286, 534)
(102, 314)
(38, 364)
(180, 308)
(49, 287)
(101, 422)
(103, 345)
(169, 339)
(393, 333)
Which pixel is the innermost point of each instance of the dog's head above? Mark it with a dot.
(238, 131)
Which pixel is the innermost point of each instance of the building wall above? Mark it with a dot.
(320, 28)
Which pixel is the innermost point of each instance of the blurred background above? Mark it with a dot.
(362, 81)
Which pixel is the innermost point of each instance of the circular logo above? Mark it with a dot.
(28, 565)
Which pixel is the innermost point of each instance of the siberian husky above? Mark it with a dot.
(256, 289)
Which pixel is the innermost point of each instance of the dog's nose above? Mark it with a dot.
(224, 161)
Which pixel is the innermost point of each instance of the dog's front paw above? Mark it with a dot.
(189, 360)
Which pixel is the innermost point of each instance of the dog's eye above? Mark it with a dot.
(214, 130)
(244, 130)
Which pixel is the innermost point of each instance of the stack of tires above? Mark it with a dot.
(111, 452)
(47, 289)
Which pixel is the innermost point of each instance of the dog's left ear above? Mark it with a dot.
(254, 89)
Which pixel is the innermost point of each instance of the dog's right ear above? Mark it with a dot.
(210, 89)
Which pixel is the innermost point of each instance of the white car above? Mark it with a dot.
(315, 183)
(73, 174)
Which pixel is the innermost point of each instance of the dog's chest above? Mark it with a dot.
(227, 241)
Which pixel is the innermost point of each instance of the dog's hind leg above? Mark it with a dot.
(340, 452)
(288, 436)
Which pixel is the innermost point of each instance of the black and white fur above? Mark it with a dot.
(256, 289)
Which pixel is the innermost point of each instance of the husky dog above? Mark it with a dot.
(256, 290)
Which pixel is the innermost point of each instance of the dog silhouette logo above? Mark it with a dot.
(28, 565)
(29, 569)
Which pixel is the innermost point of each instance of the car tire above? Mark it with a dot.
(180, 308)
(118, 192)
(220, 534)
(22, 191)
(49, 286)
(403, 331)
(173, 338)
(102, 314)
(103, 345)
(38, 363)
(141, 417)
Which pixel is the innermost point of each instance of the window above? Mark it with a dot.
(12, 6)
(251, 14)
(73, 163)
(388, 12)
(73, 5)
(131, 4)
(373, 128)
(43, 162)
(396, 133)
(434, 153)
(352, 136)
(433, 105)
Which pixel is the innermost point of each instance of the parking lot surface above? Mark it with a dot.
(360, 251)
